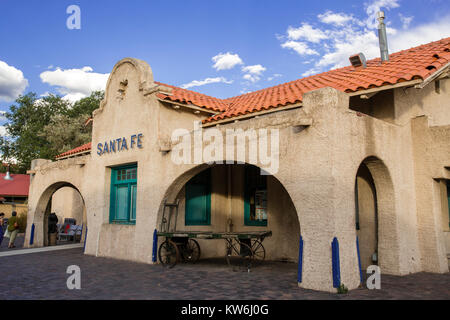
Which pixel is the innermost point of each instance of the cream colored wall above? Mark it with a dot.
(318, 167)
(411, 102)
(67, 203)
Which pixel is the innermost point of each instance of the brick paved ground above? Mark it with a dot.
(18, 243)
(43, 276)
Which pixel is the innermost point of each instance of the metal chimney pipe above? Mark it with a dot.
(382, 37)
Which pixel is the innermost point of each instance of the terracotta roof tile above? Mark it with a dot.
(191, 97)
(83, 148)
(415, 63)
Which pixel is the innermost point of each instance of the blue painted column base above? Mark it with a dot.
(335, 263)
(155, 245)
(300, 260)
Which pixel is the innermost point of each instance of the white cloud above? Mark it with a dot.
(251, 77)
(3, 131)
(405, 20)
(75, 84)
(306, 32)
(378, 5)
(300, 47)
(253, 73)
(198, 83)
(338, 19)
(12, 82)
(256, 69)
(346, 35)
(420, 34)
(225, 61)
(275, 75)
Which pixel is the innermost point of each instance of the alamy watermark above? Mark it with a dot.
(74, 280)
(74, 20)
(374, 280)
(213, 146)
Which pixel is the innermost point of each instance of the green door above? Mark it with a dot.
(198, 200)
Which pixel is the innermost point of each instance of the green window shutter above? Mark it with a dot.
(123, 195)
(133, 202)
(198, 200)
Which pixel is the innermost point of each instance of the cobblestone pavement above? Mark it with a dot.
(43, 276)
(18, 243)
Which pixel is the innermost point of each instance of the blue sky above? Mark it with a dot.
(220, 48)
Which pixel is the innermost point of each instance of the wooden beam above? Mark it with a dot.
(190, 106)
(387, 87)
(251, 115)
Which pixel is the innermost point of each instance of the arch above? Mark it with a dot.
(175, 191)
(43, 209)
(385, 214)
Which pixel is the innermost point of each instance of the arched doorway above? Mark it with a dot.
(237, 198)
(375, 216)
(366, 216)
(66, 201)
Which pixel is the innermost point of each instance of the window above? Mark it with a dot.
(123, 195)
(255, 197)
(198, 200)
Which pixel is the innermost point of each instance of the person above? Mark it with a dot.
(2, 216)
(13, 229)
(52, 228)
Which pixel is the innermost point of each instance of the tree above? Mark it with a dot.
(43, 128)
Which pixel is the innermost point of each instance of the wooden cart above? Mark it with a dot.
(243, 249)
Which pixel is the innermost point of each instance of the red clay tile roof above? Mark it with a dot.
(195, 98)
(83, 148)
(415, 63)
(17, 187)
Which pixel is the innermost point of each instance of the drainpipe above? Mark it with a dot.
(382, 37)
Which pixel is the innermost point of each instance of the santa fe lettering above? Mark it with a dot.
(120, 144)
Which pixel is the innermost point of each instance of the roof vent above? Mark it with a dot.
(358, 60)
(382, 37)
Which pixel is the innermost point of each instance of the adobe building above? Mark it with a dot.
(361, 152)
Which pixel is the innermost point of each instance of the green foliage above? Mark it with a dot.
(43, 128)
(342, 289)
(22, 222)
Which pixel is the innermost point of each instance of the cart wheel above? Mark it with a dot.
(168, 254)
(239, 255)
(191, 251)
(259, 253)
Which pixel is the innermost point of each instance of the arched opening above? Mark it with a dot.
(366, 216)
(375, 217)
(233, 198)
(66, 202)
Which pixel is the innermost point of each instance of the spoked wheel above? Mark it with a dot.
(259, 253)
(239, 255)
(191, 251)
(168, 254)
